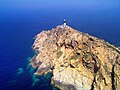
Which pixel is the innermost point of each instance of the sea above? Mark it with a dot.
(22, 20)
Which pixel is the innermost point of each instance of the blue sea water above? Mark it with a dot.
(21, 20)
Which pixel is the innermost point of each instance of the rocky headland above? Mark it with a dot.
(77, 60)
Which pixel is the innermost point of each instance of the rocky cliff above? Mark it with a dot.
(77, 60)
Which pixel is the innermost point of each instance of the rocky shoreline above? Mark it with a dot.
(77, 60)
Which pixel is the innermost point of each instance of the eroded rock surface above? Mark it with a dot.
(77, 60)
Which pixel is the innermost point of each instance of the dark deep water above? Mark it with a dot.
(21, 20)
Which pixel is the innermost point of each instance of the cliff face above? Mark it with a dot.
(77, 60)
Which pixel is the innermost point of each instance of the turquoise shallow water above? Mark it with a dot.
(21, 20)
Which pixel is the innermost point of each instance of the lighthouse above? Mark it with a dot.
(65, 23)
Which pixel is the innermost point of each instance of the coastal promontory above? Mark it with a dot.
(78, 61)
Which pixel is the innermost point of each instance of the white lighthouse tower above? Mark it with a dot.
(65, 23)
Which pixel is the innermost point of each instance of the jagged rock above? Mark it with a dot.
(77, 60)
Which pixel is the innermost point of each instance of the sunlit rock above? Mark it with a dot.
(77, 60)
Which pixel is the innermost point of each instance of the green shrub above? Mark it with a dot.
(75, 57)
(59, 54)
